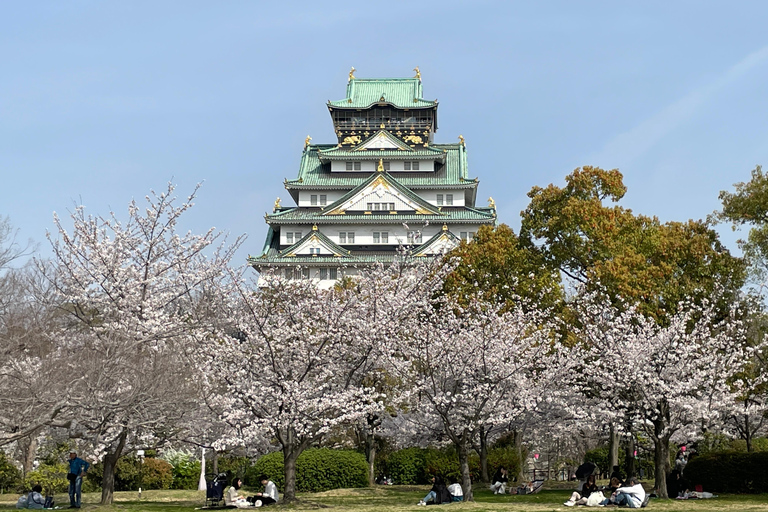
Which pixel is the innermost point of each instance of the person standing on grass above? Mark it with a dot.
(77, 469)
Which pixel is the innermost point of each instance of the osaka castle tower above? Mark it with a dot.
(383, 189)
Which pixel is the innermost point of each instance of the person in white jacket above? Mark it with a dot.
(631, 496)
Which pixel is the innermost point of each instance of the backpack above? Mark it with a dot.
(49, 502)
(22, 502)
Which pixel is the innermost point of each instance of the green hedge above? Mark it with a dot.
(729, 472)
(414, 466)
(317, 470)
(130, 474)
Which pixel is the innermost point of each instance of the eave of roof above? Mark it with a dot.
(459, 215)
(398, 92)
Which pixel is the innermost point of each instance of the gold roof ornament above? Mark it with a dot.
(491, 203)
(314, 227)
(306, 141)
(352, 74)
(461, 140)
(418, 73)
(380, 168)
(445, 227)
(277, 204)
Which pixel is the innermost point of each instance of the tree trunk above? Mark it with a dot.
(290, 455)
(370, 456)
(613, 450)
(28, 449)
(215, 462)
(110, 462)
(466, 477)
(517, 439)
(630, 458)
(484, 455)
(661, 459)
(747, 433)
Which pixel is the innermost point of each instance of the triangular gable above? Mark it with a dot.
(442, 243)
(315, 240)
(383, 140)
(381, 188)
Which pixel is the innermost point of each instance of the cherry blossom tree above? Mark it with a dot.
(131, 293)
(474, 366)
(290, 365)
(670, 379)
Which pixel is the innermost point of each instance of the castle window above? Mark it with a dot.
(386, 166)
(407, 166)
(314, 250)
(333, 273)
(323, 199)
(323, 274)
(349, 166)
(439, 199)
(415, 166)
(449, 199)
(381, 237)
(313, 200)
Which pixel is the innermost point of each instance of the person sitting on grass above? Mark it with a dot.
(500, 479)
(269, 496)
(457, 493)
(35, 499)
(632, 496)
(581, 499)
(232, 498)
(438, 494)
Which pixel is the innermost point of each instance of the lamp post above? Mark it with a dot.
(140, 454)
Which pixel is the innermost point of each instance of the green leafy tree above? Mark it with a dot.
(633, 257)
(497, 264)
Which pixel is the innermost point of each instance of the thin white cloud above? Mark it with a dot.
(629, 145)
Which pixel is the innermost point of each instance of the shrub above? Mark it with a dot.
(317, 469)
(186, 470)
(506, 457)
(130, 474)
(158, 474)
(407, 466)
(729, 472)
(53, 478)
(10, 476)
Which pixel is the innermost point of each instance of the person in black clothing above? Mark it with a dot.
(676, 484)
(438, 494)
(581, 499)
(500, 479)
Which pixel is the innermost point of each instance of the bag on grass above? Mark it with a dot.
(595, 499)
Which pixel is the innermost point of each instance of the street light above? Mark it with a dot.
(140, 454)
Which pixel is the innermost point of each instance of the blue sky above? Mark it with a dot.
(102, 101)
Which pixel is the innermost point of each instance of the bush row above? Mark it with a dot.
(413, 466)
(317, 469)
(731, 472)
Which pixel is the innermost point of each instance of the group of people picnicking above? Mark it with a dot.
(440, 493)
(232, 497)
(617, 492)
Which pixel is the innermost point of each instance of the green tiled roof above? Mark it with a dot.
(448, 216)
(273, 256)
(425, 206)
(418, 251)
(400, 92)
(316, 175)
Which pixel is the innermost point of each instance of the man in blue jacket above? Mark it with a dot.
(77, 469)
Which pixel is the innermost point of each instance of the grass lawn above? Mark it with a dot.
(396, 498)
